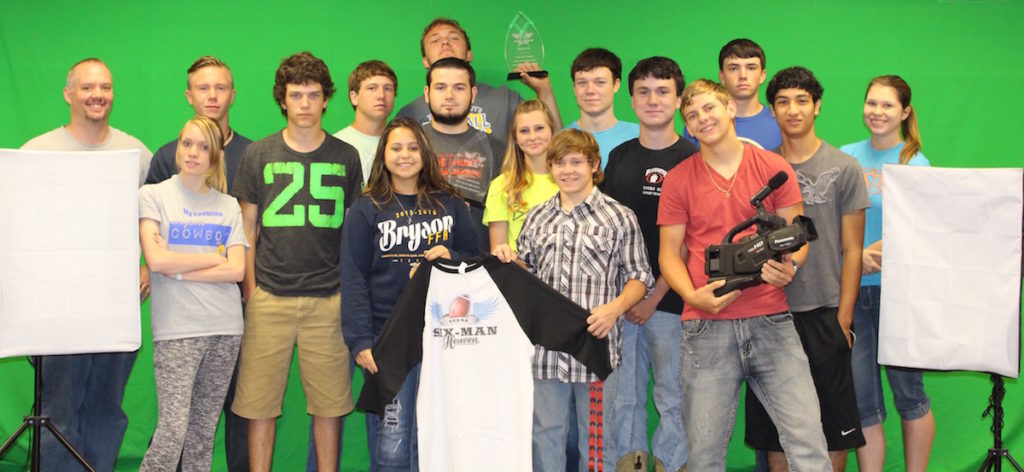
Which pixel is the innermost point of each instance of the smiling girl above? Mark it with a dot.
(407, 213)
(894, 140)
(524, 181)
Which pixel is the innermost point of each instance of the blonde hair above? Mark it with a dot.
(572, 140)
(908, 127)
(215, 177)
(701, 86)
(517, 173)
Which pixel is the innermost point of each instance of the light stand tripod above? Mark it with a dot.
(37, 421)
(994, 459)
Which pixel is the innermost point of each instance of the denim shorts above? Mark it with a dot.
(907, 384)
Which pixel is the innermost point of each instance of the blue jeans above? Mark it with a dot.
(82, 394)
(716, 356)
(552, 401)
(392, 435)
(653, 345)
(907, 384)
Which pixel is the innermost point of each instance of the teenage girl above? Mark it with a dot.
(892, 121)
(192, 237)
(407, 213)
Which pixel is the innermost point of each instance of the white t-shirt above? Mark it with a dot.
(478, 323)
(365, 144)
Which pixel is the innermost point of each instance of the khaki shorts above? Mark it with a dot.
(273, 327)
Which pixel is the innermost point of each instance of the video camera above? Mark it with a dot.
(740, 263)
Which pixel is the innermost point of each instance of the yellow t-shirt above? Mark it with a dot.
(541, 188)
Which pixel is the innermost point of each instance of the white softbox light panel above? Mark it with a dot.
(951, 269)
(69, 252)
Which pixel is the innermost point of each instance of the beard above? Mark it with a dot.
(449, 119)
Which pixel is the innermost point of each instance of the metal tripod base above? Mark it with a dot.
(37, 421)
(994, 461)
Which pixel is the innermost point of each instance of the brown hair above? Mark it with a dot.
(517, 172)
(215, 177)
(299, 69)
(908, 127)
(439, 21)
(430, 181)
(368, 69)
(572, 140)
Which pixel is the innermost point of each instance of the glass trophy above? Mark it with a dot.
(522, 45)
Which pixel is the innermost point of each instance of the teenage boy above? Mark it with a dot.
(651, 333)
(742, 335)
(467, 157)
(372, 88)
(741, 68)
(210, 90)
(596, 75)
(294, 187)
(82, 393)
(494, 108)
(823, 293)
(588, 247)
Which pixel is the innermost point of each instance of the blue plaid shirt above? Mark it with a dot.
(587, 254)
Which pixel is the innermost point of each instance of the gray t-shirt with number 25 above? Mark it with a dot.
(301, 200)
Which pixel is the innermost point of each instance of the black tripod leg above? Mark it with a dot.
(990, 460)
(67, 445)
(13, 439)
(1015, 464)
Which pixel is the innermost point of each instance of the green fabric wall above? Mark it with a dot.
(962, 59)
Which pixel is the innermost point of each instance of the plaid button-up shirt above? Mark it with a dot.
(587, 254)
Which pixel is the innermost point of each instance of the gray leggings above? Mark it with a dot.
(192, 376)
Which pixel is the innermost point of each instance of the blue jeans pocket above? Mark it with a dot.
(780, 319)
(694, 328)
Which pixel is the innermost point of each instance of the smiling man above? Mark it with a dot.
(294, 187)
(741, 335)
(210, 90)
(650, 335)
(589, 248)
(467, 157)
(82, 393)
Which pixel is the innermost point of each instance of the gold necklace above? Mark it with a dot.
(732, 179)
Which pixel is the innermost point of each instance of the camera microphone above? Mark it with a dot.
(774, 183)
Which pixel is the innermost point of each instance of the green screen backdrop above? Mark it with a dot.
(962, 58)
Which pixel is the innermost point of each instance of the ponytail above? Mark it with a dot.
(911, 137)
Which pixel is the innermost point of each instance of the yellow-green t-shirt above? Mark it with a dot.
(541, 188)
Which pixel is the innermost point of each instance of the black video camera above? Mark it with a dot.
(739, 263)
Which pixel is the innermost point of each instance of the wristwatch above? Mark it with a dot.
(178, 276)
(795, 266)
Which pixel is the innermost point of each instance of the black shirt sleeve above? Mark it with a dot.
(547, 317)
(399, 347)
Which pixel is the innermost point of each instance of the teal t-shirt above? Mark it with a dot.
(871, 161)
(612, 137)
